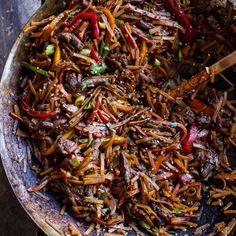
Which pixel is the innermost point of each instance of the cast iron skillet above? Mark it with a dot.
(45, 212)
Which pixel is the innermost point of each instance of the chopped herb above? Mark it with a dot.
(71, 15)
(96, 70)
(105, 210)
(50, 49)
(174, 124)
(150, 36)
(103, 49)
(85, 84)
(176, 211)
(102, 195)
(157, 62)
(143, 167)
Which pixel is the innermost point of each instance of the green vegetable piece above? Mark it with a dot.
(101, 47)
(106, 50)
(74, 162)
(96, 70)
(84, 140)
(102, 195)
(150, 36)
(180, 55)
(176, 211)
(89, 106)
(115, 162)
(157, 62)
(79, 100)
(119, 22)
(105, 210)
(102, 25)
(34, 69)
(50, 49)
(145, 225)
(85, 84)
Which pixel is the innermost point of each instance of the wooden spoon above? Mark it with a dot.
(186, 87)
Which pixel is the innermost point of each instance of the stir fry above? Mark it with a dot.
(120, 130)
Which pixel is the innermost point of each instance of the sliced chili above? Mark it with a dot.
(182, 18)
(187, 145)
(34, 113)
(87, 16)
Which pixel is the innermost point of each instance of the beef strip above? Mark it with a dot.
(65, 146)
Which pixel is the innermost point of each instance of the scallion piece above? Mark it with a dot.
(50, 49)
(157, 62)
(34, 69)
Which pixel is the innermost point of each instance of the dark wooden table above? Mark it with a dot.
(13, 219)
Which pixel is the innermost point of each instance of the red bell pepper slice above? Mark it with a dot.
(74, 26)
(93, 114)
(103, 117)
(192, 135)
(94, 55)
(182, 18)
(34, 113)
(87, 16)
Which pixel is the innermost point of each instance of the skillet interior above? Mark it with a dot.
(45, 212)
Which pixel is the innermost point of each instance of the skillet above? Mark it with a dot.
(16, 152)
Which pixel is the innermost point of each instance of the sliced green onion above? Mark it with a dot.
(50, 49)
(101, 47)
(180, 55)
(74, 162)
(84, 140)
(102, 25)
(89, 106)
(157, 62)
(105, 210)
(145, 225)
(34, 69)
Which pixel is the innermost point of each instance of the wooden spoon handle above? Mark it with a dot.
(184, 88)
(224, 63)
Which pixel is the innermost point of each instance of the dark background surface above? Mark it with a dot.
(13, 15)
